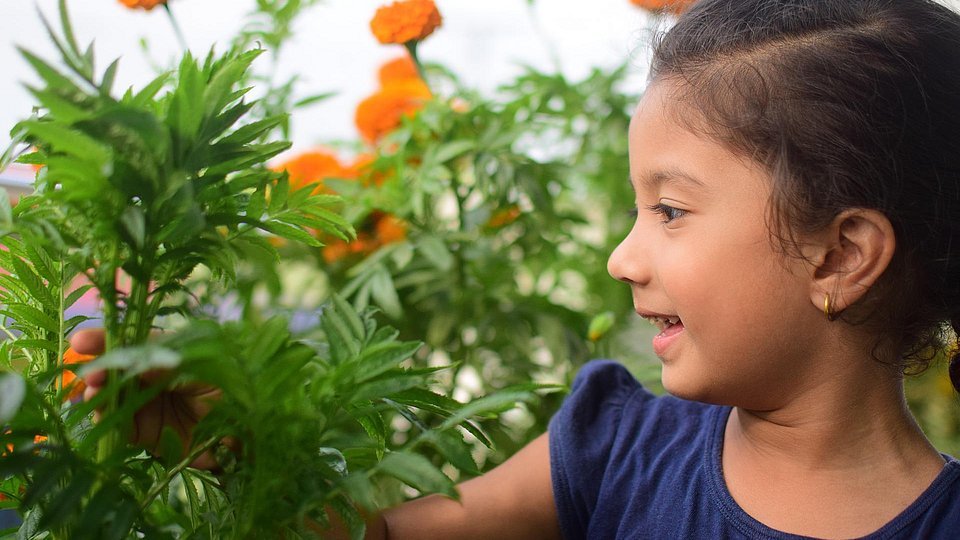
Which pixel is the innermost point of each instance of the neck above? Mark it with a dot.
(841, 446)
(839, 426)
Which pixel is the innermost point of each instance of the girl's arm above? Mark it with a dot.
(514, 500)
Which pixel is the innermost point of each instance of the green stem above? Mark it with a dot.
(172, 473)
(111, 441)
(62, 330)
(411, 47)
(176, 27)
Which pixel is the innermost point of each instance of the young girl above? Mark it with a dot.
(797, 173)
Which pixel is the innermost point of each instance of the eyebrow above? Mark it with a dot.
(658, 178)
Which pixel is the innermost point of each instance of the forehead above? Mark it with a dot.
(668, 140)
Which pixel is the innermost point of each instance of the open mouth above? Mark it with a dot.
(662, 322)
(671, 328)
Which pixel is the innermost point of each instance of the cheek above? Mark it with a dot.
(721, 290)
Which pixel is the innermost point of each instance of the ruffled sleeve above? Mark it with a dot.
(582, 434)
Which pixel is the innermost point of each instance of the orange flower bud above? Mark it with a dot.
(382, 112)
(143, 4)
(504, 217)
(68, 380)
(671, 6)
(311, 168)
(378, 230)
(405, 20)
(398, 69)
(390, 229)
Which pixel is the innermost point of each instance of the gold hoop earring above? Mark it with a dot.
(826, 308)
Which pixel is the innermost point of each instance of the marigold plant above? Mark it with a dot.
(141, 191)
(405, 21)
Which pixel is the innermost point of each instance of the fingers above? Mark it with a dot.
(89, 341)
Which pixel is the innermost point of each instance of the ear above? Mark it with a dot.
(850, 255)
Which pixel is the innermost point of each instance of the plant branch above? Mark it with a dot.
(177, 469)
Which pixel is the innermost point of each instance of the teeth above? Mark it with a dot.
(663, 321)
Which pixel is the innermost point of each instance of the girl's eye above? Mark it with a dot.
(667, 213)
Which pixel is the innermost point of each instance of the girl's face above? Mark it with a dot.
(736, 319)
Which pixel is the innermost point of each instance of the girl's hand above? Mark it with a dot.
(179, 407)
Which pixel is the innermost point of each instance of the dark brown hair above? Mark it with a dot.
(849, 104)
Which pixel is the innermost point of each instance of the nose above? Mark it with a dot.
(630, 261)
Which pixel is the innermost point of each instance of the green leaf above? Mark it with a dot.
(380, 358)
(257, 204)
(350, 516)
(436, 252)
(387, 386)
(106, 83)
(417, 472)
(134, 226)
(76, 294)
(289, 232)
(494, 403)
(30, 521)
(349, 315)
(12, 391)
(38, 289)
(186, 107)
(170, 446)
(310, 100)
(453, 149)
(29, 315)
(219, 90)
(72, 142)
(134, 360)
(372, 422)
(452, 447)
(67, 501)
(44, 344)
(51, 76)
(60, 108)
(278, 194)
(333, 459)
(385, 293)
(251, 132)
(148, 92)
(343, 344)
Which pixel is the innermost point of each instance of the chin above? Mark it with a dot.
(690, 388)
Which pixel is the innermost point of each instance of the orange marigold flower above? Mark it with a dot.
(382, 112)
(311, 168)
(378, 230)
(398, 69)
(672, 6)
(68, 380)
(143, 4)
(504, 217)
(405, 20)
(363, 170)
(390, 229)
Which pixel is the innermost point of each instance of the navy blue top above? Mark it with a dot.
(627, 464)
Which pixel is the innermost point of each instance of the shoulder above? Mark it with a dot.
(606, 399)
(936, 514)
(611, 438)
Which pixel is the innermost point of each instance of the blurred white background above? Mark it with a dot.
(333, 50)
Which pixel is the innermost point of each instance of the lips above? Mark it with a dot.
(671, 328)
